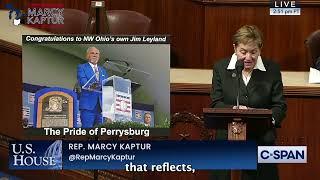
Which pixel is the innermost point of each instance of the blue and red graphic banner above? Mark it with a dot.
(133, 155)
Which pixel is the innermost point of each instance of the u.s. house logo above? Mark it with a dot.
(35, 155)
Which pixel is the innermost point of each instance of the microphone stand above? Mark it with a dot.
(239, 67)
(127, 66)
(117, 63)
(238, 93)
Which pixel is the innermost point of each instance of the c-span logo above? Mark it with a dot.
(282, 154)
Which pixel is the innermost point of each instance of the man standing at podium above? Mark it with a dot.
(260, 87)
(90, 76)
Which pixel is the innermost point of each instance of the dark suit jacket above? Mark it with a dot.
(264, 90)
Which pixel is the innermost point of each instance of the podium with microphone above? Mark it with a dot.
(116, 90)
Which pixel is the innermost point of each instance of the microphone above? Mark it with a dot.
(124, 67)
(239, 68)
(120, 63)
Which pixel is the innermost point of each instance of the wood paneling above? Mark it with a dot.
(201, 30)
(301, 128)
(11, 91)
(186, 23)
(206, 89)
(182, 19)
(189, 102)
(284, 36)
(176, 176)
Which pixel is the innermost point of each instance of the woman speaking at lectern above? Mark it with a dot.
(260, 87)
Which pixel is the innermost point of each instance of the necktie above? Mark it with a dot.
(96, 71)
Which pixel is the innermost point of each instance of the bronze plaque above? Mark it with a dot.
(55, 109)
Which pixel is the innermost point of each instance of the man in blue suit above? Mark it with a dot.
(91, 101)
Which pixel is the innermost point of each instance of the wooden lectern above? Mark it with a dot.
(238, 122)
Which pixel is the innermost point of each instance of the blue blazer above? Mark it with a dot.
(89, 99)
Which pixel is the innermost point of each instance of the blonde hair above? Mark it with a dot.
(247, 34)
